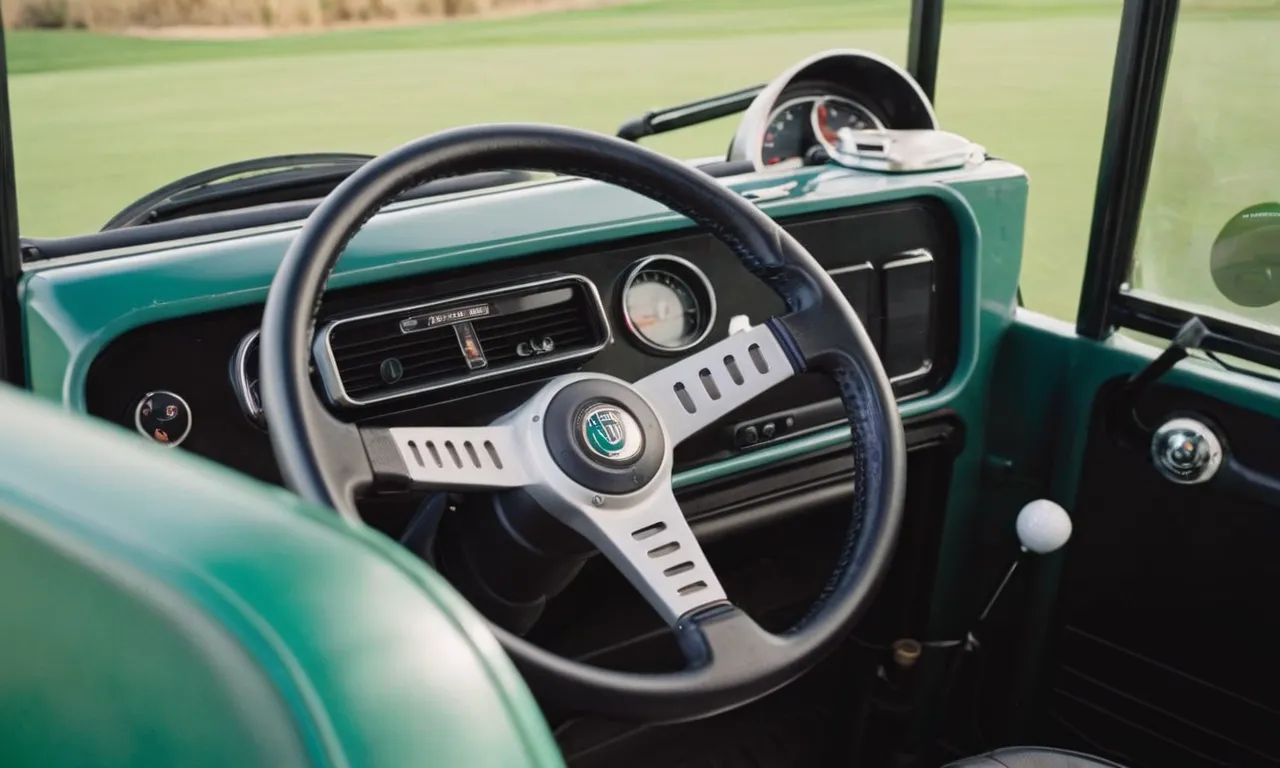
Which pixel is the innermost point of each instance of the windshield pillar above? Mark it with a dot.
(1129, 139)
(12, 368)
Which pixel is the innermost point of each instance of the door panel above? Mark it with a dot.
(1164, 653)
(1149, 637)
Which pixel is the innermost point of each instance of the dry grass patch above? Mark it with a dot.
(253, 18)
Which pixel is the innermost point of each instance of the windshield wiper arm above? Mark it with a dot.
(657, 121)
(273, 180)
(148, 208)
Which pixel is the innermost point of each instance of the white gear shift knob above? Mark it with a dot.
(1043, 527)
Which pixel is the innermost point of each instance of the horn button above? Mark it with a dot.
(604, 436)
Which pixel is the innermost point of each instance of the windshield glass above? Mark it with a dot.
(1210, 231)
(151, 92)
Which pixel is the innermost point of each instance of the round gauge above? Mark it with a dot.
(833, 113)
(667, 303)
(789, 132)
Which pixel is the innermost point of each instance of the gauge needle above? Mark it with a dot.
(823, 125)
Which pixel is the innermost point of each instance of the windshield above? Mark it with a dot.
(1209, 237)
(103, 116)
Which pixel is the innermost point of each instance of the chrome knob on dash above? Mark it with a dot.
(1186, 451)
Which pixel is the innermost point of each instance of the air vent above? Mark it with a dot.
(394, 353)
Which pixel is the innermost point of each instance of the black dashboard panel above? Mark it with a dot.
(897, 261)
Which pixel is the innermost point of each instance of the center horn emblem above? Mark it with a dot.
(611, 434)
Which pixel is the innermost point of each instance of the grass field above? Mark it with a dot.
(100, 120)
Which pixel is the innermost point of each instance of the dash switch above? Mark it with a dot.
(163, 417)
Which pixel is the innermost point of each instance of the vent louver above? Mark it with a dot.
(404, 351)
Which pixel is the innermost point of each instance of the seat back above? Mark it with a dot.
(157, 609)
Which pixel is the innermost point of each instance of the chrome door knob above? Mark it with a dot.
(1186, 451)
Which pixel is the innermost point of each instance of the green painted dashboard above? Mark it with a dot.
(74, 307)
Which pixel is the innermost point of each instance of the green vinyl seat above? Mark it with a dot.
(157, 609)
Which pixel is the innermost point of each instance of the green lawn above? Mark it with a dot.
(100, 120)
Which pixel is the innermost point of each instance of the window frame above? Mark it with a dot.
(12, 366)
(1143, 54)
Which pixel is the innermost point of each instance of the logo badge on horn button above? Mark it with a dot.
(611, 434)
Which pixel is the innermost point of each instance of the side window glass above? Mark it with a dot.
(1209, 237)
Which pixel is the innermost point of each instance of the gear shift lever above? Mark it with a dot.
(1043, 527)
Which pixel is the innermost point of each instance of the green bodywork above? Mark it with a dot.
(177, 613)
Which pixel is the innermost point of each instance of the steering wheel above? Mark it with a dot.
(595, 451)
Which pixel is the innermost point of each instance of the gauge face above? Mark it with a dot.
(833, 113)
(799, 124)
(662, 309)
(668, 303)
(789, 132)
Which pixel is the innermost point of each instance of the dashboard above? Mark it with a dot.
(465, 347)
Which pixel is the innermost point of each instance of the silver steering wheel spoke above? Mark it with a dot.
(462, 458)
(650, 542)
(698, 390)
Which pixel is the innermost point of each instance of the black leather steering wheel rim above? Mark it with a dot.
(317, 453)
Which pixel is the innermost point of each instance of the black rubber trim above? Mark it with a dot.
(1225, 337)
